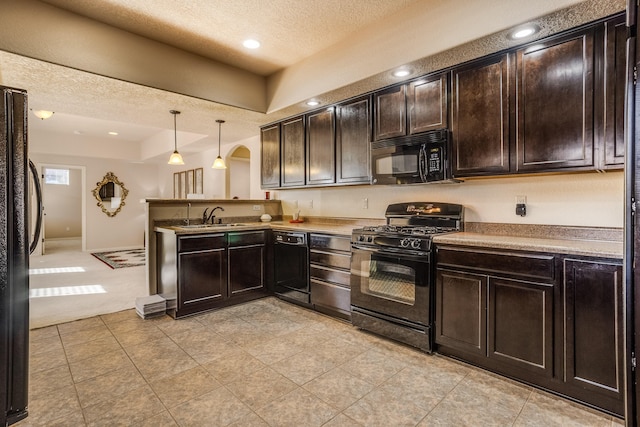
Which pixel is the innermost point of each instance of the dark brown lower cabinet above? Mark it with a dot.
(207, 271)
(549, 320)
(593, 326)
(329, 274)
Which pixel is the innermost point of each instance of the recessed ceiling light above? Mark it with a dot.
(401, 73)
(113, 133)
(251, 44)
(313, 103)
(522, 32)
(78, 132)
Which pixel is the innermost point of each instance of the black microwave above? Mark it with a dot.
(411, 160)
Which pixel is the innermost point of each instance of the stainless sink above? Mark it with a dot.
(200, 226)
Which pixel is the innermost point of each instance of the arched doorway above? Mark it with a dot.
(238, 173)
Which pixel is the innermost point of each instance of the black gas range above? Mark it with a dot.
(392, 272)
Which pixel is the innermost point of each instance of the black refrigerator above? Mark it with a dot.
(14, 257)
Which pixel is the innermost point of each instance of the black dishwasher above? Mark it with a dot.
(291, 267)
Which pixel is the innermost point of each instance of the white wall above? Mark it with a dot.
(63, 204)
(126, 229)
(587, 199)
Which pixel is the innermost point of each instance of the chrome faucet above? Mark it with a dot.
(188, 213)
(211, 216)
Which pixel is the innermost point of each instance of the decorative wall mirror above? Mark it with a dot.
(110, 194)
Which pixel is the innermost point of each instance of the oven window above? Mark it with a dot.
(397, 164)
(391, 281)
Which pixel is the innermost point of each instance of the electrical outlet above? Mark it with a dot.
(521, 205)
(308, 204)
(365, 203)
(257, 207)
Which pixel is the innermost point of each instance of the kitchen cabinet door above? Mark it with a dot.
(270, 156)
(594, 330)
(521, 324)
(202, 279)
(555, 85)
(390, 113)
(614, 93)
(321, 147)
(353, 139)
(427, 104)
(247, 259)
(293, 158)
(461, 311)
(481, 100)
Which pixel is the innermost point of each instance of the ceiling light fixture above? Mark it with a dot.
(251, 44)
(313, 103)
(401, 73)
(43, 114)
(176, 158)
(524, 31)
(113, 133)
(218, 162)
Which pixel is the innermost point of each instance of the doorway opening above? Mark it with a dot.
(238, 174)
(63, 197)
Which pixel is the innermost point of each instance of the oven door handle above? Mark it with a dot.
(419, 256)
(422, 163)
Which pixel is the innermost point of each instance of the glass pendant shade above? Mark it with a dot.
(176, 158)
(218, 163)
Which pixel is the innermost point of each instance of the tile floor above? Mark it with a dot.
(265, 363)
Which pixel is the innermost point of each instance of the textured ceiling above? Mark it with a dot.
(289, 30)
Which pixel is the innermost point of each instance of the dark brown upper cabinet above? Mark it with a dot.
(270, 156)
(407, 109)
(353, 138)
(293, 156)
(390, 112)
(481, 98)
(321, 147)
(615, 77)
(555, 89)
(427, 104)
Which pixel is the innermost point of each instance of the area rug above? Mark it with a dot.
(122, 259)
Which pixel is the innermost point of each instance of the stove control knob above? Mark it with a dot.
(404, 243)
(415, 244)
(370, 239)
(361, 238)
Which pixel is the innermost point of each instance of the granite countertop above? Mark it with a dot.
(596, 248)
(315, 227)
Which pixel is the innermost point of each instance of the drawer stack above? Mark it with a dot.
(330, 256)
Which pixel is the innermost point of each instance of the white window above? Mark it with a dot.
(56, 176)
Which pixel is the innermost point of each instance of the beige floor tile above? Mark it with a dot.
(48, 407)
(373, 367)
(79, 325)
(163, 419)
(542, 409)
(47, 360)
(201, 345)
(342, 420)
(261, 387)
(130, 408)
(44, 343)
(338, 388)
(298, 408)
(45, 382)
(46, 332)
(308, 338)
(184, 386)
(233, 365)
(160, 359)
(303, 367)
(338, 350)
(174, 327)
(382, 408)
(89, 349)
(249, 420)
(274, 350)
(85, 335)
(108, 386)
(216, 408)
(139, 335)
(71, 419)
(118, 316)
(101, 364)
(480, 399)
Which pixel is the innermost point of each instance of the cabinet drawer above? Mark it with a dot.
(246, 238)
(330, 242)
(330, 275)
(518, 264)
(330, 259)
(329, 295)
(201, 242)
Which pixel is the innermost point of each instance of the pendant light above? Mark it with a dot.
(218, 162)
(176, 158)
